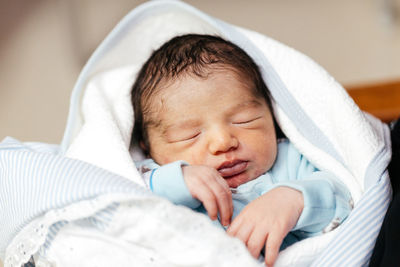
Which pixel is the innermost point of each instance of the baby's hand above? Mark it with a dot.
(207, 185)
(267, 220)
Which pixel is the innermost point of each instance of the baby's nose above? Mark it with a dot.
(221, 141)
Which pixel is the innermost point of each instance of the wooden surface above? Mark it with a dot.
(381, 99)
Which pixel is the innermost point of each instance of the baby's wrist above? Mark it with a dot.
(296, 198)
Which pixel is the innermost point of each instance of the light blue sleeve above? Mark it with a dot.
(167, 181)
(327, 202)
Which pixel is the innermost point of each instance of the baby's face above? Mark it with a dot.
(216, 122)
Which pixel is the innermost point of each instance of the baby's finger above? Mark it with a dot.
(257, 241)
(224, 201)
(234, 226)
(207, 197)
(272, 246)
(244, 232)
(225, 185)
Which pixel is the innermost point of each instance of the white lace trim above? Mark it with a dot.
(28, 241)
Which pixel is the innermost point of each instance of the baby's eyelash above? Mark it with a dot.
(247, 121)
(193, 136)
(188, 138)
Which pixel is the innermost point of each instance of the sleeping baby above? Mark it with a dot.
(203, 117)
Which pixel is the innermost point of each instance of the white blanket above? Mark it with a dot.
(313, 110)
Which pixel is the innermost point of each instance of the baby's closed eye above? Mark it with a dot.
(247, 117)
(246, 120)
(182, 136)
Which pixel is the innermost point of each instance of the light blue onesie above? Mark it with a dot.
(327, 202)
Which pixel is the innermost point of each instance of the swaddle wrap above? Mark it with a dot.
(312, 109)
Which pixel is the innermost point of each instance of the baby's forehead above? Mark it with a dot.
(180, 93)
(227, 72)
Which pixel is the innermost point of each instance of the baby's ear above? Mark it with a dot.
(142, 145)
(144, 148)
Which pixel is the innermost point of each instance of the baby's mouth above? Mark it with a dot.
(232, 168)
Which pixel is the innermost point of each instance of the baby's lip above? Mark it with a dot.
(231, 168)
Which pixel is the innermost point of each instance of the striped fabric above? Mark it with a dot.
(33, 181)
(354, 244)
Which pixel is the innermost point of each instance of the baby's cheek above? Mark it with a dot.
(193, 159)
(159, 158)
(172, 154)
(193, 154)
(163, 155)
(264, 156)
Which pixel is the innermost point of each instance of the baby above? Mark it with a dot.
(203, 116)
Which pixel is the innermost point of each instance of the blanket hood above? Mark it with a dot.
(313, 110)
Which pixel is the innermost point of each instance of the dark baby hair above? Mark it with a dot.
(191, 54)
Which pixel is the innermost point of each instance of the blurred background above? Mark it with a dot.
(45, 43)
